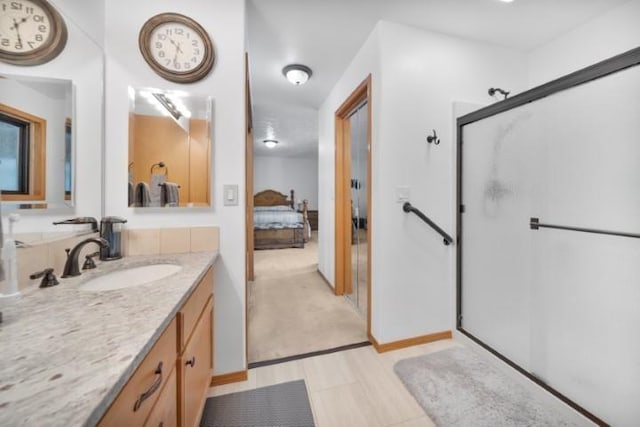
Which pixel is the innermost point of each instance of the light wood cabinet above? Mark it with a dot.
(196, 364)
(169, 388)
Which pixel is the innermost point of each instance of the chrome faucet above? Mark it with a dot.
(71, 267)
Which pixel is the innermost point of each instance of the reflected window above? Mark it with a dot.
(14, 155)
(22, 159)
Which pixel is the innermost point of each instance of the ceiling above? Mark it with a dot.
(326, 34)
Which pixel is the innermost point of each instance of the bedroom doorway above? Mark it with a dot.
(353, 200)
(291, 309)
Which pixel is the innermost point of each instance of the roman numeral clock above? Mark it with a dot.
(176, 47)
(32, 32)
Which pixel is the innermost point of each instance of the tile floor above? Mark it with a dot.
(350, 388)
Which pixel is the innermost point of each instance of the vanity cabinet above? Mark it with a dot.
(169, 388)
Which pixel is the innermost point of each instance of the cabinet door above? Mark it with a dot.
(196, 365)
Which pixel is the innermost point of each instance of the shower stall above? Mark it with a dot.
(549, 236)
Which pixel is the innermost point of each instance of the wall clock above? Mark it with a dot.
(176, 47)
(32, 32)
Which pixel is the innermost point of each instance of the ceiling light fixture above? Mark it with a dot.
(297, 74)
(270, 143)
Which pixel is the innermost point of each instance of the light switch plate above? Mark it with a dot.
(230, 194)
(403, 194)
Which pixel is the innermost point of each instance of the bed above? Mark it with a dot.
(276, 222)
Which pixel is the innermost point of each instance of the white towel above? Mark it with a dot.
(155, 189)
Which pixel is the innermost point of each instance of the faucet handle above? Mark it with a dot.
(67, 250)
(89, 263)
(49, 279)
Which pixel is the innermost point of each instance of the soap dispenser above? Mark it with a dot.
(111, 231)
(9, 259)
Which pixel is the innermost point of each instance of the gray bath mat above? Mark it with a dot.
(457, 388)
(281, 405)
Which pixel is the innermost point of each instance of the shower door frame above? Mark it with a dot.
(601, 69)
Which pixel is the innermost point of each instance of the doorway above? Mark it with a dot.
(353, 200)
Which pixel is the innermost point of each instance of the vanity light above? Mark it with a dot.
(168, 105)
(297, 74)
(506, 1)
(270, 143)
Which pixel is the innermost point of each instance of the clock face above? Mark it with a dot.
(31, 32)
(176, 47)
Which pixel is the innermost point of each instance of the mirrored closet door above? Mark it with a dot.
(359, 171)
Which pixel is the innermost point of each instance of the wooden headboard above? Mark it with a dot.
(273, 198)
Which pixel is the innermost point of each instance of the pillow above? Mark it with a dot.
(272, 208)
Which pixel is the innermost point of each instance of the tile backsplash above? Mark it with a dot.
(37, 257)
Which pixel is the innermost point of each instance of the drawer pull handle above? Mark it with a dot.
(191, 362)
(154, 387)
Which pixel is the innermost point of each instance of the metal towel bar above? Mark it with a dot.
(408, 208)
(535, 224)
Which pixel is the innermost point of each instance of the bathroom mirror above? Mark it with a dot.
(76, 164)
(169, 149)
(36, 142)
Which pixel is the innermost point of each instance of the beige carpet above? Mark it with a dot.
(293, 311)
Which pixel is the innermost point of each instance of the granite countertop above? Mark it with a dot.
(66, 353)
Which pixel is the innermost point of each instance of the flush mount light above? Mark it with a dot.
(270, 143)
(297, 74)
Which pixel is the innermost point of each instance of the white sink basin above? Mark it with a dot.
(130, 277)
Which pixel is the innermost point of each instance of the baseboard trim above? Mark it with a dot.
(231, 377)
(326, 281)
(408, 342)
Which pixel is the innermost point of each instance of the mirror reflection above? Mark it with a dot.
(169, 149)
(36, 142)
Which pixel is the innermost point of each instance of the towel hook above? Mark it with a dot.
(494, 90)
(433, 138)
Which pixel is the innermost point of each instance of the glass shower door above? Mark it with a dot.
(560, 303)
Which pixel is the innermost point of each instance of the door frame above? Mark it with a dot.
(343, 193)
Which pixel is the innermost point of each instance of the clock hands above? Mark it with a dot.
(178, 50)
(15, 27)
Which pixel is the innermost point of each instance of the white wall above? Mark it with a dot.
(610, 34)
(288, 173)
(417, 75)
(366, 61)
(81, 62)
(225, 22)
